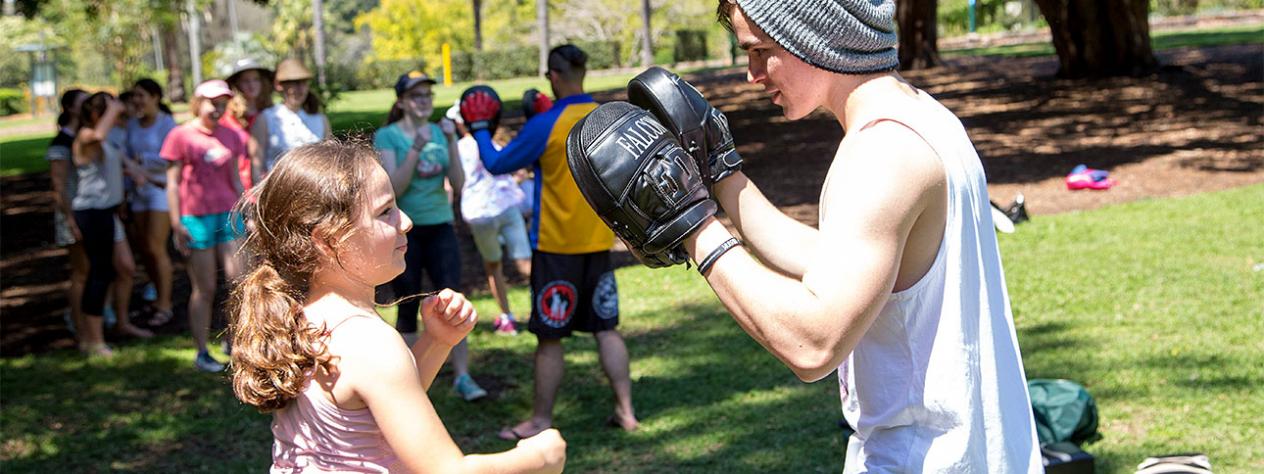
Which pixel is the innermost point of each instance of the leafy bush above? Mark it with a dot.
(382, 73)
(601, 54)
(499, 64)
(494, 64)
(12, 101)
(691, 45)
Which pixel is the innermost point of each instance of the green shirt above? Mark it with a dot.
(425, 201)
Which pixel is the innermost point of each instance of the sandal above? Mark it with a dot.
(613, 422)
(133, 331)
(160, 317)
(510, 433)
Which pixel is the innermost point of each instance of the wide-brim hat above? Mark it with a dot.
(410, 79)
(292, 69)
(242, 65)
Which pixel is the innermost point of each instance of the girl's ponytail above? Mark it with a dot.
(274, 347)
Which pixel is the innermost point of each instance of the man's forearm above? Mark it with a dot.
(781, 242)
(780, 313)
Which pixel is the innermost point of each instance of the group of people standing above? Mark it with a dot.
(124, 172)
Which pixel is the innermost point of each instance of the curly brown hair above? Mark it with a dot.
(315, 192)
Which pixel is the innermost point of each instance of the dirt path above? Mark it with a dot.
(1195, 126)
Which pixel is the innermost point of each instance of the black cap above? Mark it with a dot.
(411, 79)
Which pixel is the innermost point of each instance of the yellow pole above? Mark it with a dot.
(447, 64)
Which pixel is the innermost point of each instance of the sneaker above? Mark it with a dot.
(1017, 211)
(206, 363)
(109, 317)
(505, 325)
(226, 345)
(467, 388)
(150, 293)
(70, 322)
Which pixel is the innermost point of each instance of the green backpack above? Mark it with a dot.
(1064, 411)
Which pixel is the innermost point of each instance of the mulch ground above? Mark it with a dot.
(1193, 126)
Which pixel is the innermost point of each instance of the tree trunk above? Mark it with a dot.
(318, 28)
(1100, 38)
(478, 25)
(919, 48)
(647, 45)
(542, 32)
(195, 41)
(171, 59)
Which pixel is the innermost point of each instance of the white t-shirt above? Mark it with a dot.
(937, 384)
(485, 195)
(289, 129)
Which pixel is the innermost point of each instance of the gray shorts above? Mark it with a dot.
(149, 198)
(507, 229)
(62, 236)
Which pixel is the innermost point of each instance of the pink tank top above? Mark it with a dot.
(314, 435)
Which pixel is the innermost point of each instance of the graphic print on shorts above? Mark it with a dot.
(606, 297)
(556, 303)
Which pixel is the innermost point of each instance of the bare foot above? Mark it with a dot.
(99, 350)
(522, 430)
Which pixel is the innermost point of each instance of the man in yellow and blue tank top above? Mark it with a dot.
(572, 279)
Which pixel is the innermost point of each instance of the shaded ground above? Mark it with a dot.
(1194, 126)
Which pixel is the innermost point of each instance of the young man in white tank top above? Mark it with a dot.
(901, 288)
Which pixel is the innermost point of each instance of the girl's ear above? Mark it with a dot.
(323, 248)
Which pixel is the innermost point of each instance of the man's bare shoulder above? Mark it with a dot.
(885, 166)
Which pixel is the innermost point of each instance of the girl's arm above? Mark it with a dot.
(429, 355)
(58, 170)
(238, 187)
(383, 374)
(456, 171)
(95, 134)
(401, 175)
(173, 206)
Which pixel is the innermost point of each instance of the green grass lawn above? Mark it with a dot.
(1154, 306)
(1237, 34)
(23, 154)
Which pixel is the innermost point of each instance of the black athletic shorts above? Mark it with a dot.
(572, 293)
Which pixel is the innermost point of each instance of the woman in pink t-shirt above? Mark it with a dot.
(202, 188)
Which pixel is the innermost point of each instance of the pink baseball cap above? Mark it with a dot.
(213, 89)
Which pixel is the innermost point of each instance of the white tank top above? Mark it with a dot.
(937, 383)
(289, 129)
(100, 182)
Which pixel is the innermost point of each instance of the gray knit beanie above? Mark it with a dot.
(845, 36)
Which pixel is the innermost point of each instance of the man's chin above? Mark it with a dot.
(791, 114)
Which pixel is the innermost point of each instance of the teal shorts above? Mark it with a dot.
(213, 229)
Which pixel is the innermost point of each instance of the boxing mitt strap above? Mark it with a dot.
(707, 263)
